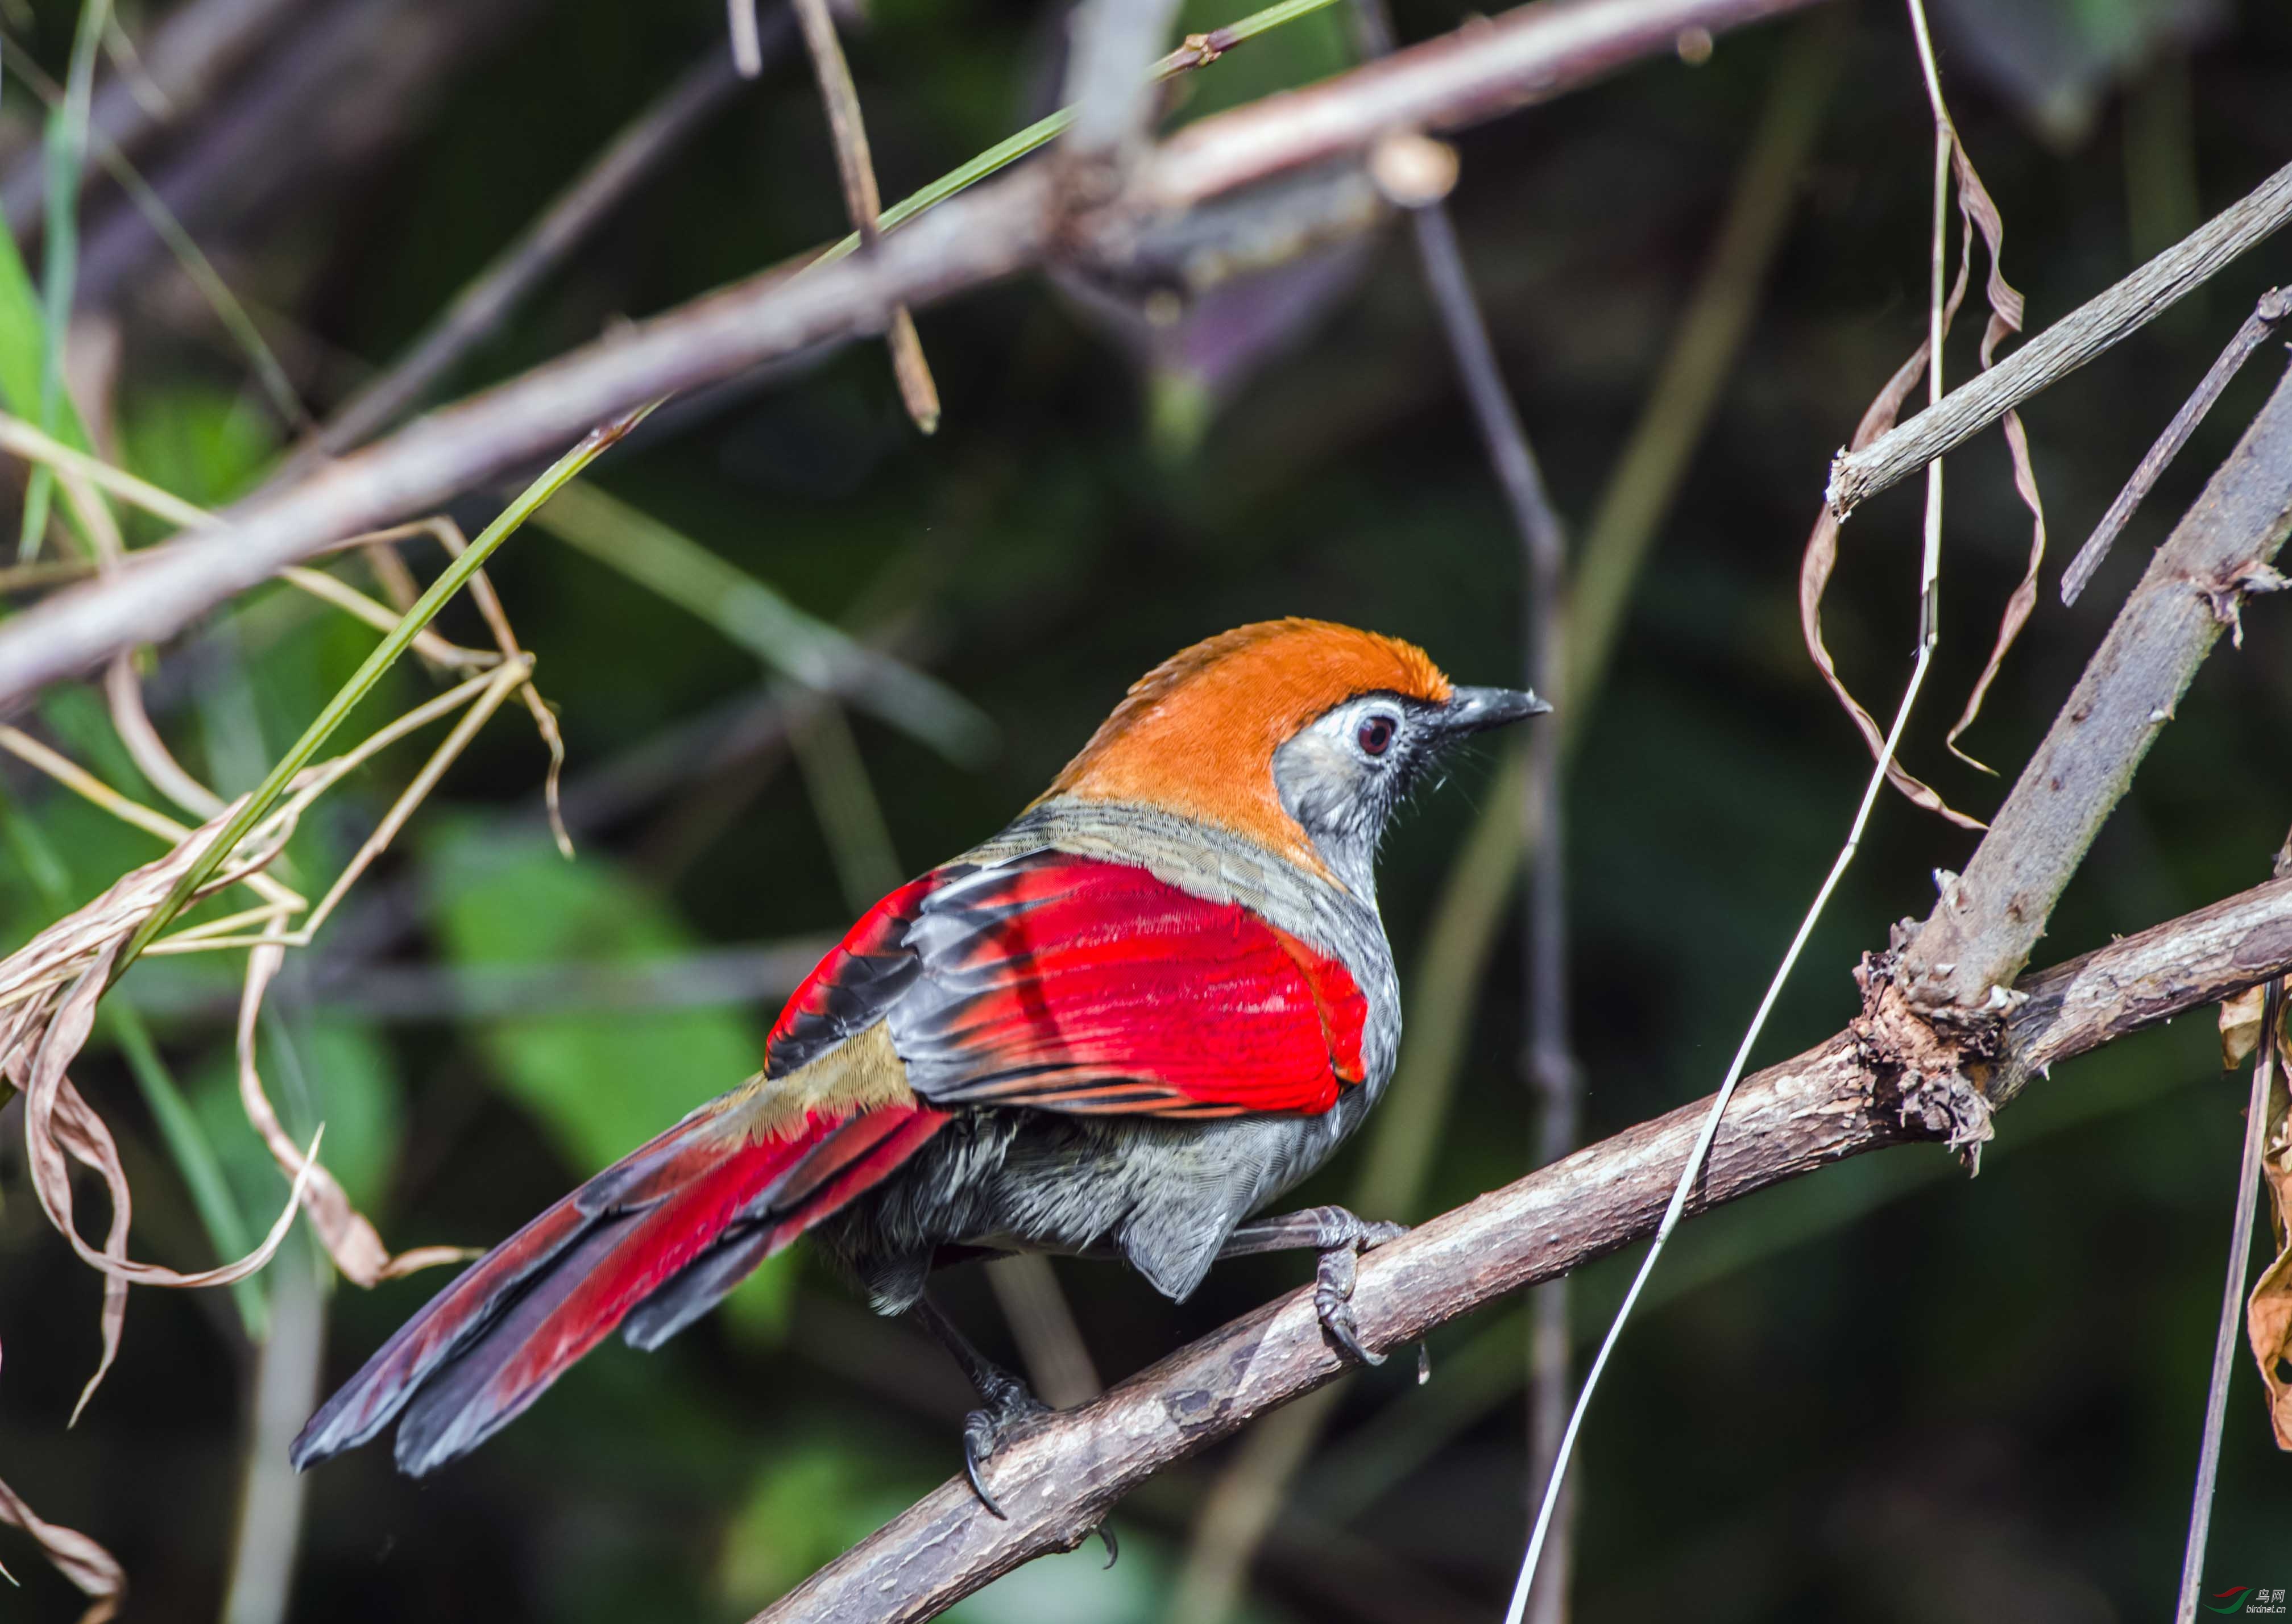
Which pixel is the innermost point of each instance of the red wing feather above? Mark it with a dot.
(1068, 984)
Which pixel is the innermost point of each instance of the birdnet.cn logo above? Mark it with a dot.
(2247, 1599)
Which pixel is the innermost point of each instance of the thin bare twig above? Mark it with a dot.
(2274, 306)
(2082, 335)
(1929, 636)
(1532, 52)
(190, 57)
(748, 37)
(1547, 1058)
(856, 169)
(647, 141)
(2265, 1060)
(1111, 45)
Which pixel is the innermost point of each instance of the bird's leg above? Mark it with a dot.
(1340, 1237)
(1006, 1401)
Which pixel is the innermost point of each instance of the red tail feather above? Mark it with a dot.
(697, 1198)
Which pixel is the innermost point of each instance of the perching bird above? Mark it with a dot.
(1119, 1028)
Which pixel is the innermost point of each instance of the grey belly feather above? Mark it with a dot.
(1162, 1195)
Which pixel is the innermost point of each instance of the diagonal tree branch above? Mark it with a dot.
(633, 155)
(2082, 335)
(1893, 1076)
(1983, 927)
(1532, 52)
(1839, 1099)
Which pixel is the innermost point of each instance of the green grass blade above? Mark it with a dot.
(66, 152)
(362, 681)
(751, 614)
(195, 1159)
(1043, 130)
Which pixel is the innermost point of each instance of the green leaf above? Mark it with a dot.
(23, 348)
(207, 445)
(599, 1084)
(352, 1084)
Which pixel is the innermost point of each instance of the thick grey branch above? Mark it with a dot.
(1982, 931)
(2078, 338)
(1001, 228)
(1836, 1100)
(1488, 67)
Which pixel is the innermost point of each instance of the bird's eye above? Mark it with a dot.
(1376, 735)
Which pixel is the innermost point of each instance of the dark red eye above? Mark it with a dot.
(1376, 735)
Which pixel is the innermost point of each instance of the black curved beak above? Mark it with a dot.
(1478, 710)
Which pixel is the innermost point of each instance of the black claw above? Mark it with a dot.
(1337, 1321)
(1424, 1362)
(1010, 1406)
(1113, 1550)
(979, 1441)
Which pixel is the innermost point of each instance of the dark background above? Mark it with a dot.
(1883, 1393)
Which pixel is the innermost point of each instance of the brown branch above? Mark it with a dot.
(1482, 71)
(2274, 306)
(855, 169)
(652, 137)
(2082, 335)
(1982, 931)
(1006, 226)
(1838, 1099)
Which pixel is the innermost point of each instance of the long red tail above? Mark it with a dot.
(655, 1241)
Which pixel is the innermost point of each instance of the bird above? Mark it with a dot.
(1120, 1028)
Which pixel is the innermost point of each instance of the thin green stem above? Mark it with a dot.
(170, 230)
(67, 151)
(1200, 52)
(363, 680)
(811, 651)
(195, 1159)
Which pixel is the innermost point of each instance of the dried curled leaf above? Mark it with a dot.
(1978, 212)
(49, 1140)
(78, 1558)
(2240, 1026)
(1822, 556)
(351, 1239)
(94, 1571)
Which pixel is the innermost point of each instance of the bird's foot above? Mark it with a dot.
(1339, 1267)
(1009, 1406)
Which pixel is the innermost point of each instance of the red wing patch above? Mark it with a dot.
(1073, 985)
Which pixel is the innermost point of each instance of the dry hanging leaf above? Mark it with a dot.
(2240, 1026)
(1822, 556)
(88, 1565)
(1978, 211)
(351, 1239)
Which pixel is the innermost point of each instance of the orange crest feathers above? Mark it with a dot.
(1197, 734)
